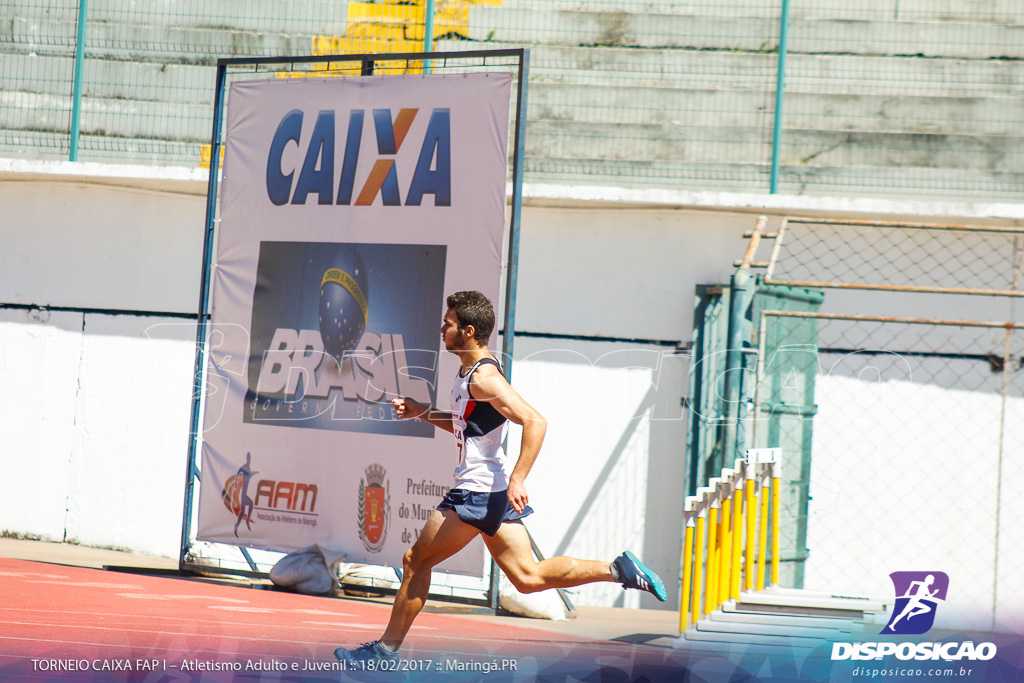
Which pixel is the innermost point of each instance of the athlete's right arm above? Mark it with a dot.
(406, 408)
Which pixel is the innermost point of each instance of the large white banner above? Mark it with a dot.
(350, 207)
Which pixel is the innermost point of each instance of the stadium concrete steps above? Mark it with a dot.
(855, 74)
(308, 17)
(843, 181)
(697, 114)
(571, 140)
(950, 39)
(150, 42)
(42, 145)
(115, 118)
(627, 104)
(993, 11)
(110, 78)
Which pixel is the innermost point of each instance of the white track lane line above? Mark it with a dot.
(190, 619)
(172, 653)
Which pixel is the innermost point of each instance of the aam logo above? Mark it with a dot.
(287, 496)
(918, 595)
(432, 174)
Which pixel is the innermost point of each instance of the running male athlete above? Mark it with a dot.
(485, 499)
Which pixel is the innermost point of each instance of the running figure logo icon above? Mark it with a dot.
(917, 597)
(235, 494)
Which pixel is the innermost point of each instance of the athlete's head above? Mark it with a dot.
(473, 309)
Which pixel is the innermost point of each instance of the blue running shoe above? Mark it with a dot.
(367, 656)
(633, 574)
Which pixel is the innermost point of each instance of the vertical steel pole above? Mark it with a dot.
(511, 276)
(741, 287)
(1007, 371)
(428, 34)
(76, 94)
(192, 470)
(780, 89)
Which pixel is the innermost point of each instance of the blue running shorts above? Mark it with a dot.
(483, 510)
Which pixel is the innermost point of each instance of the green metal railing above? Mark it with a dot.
(882, 98)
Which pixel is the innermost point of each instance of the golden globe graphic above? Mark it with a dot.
(320, 359)
(344, 304)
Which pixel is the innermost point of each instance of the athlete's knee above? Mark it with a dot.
(415, 559)
(527, 580)
(412, 560)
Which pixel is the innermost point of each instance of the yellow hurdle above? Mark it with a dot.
(737, 536)
(711, 580)
(725, 535)
(684, 604)
(748, 566)
(775, 524)
(725, 549)
(698, 561)
(762, 532)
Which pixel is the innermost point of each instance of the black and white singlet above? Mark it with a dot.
(479, 433)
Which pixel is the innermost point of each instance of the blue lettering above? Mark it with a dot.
(279, 185)
(385, 131)
(436, 144)
(348, 164)
(432, 175)
(321, 148)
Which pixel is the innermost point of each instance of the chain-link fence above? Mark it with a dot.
(896, 396)
(880, 98)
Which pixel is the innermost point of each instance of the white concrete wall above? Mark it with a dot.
(895, 488)
(609, 477)
(95, 407)
(95, 417)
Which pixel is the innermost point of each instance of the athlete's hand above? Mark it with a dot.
(406, 408)
(517, 494)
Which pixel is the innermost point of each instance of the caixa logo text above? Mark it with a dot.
(319, 175)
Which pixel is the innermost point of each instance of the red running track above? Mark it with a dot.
(63, 623)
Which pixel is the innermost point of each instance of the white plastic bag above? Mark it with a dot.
(543, 605)
(310, 571)
(372, 576)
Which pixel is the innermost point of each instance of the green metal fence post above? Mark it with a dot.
(742, 289)
(76, 95)
(780, 90)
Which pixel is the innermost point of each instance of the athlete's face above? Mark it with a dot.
(454, 338)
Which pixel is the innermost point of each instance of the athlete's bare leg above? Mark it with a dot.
(443, 535)
(511, 549)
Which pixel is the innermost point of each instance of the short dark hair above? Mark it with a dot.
(473, 308)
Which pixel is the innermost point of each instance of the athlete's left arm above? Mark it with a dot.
(489, 385)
